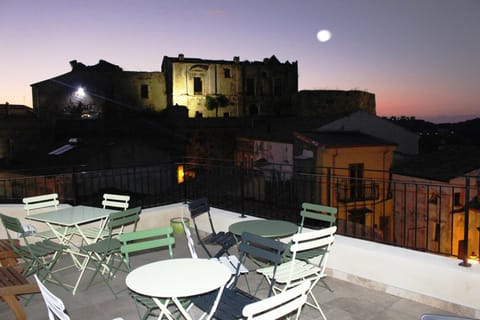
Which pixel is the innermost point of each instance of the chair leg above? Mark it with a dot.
(325, 284)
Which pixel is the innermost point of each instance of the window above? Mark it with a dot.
(226, 73)
(197, 85)
(277, 89)
(434, 197)
(457, 202)
(250, 90)
(144, 91)
(356, 181)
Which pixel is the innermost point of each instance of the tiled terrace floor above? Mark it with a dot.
(347, 302)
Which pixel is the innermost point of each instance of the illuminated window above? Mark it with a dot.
(144, 91)
(197, 85)
(226, 73)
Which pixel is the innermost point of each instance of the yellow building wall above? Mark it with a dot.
(214, 82)
(377, 161)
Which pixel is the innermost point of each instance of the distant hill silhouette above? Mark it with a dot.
(434, 136)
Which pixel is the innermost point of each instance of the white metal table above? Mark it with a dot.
(62, 220)
(178, 278)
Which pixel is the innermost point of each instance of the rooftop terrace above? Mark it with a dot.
(370, 280)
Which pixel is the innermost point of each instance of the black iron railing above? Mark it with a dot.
(385, 207)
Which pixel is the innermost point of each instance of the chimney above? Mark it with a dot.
(73, 64)
(236, 59)
(181, 56)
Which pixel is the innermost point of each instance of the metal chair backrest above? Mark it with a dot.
(190, 243)
(279, 305)
(198, 207)
(317, 239)
(267, 250)
(115, 201)
(120, 219)
(40, 202)
(55, 305)
(324, 214)
(146, 239)
(13, 225)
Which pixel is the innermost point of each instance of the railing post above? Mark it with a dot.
(74, 187)
(465, 262)
(242, 190)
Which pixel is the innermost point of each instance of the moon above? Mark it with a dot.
(324, 35)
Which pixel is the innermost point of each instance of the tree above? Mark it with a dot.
(213, 102)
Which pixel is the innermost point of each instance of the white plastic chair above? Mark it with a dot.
(279, 305)
(295, 271)
(55, 307)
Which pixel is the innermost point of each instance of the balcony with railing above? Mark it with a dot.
(377, 227)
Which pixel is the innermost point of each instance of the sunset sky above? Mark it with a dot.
(419, 57)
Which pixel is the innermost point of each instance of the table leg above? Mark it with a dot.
(164, 309)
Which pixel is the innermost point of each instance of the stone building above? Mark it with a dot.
(94, 91)
(318, 103)
(20, 131)
(213, 88)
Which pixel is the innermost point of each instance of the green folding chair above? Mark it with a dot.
(138, 241)
(105, 254)
(39, 257)
(316, 216)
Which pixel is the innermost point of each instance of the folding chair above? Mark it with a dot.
(323, 217)
(295, 271)
(110, 201)
(138, 241)
(223, 239)
(104, 252)
(39, 257)
(115, 201)
(48, 202)
(231, 261)
(280, 305)
(233, 299)
(55, 306)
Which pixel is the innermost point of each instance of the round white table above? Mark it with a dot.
(178, 278)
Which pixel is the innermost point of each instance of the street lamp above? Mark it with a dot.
(80, 93)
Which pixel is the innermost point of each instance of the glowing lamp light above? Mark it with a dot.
(180, 174)
(80, 92)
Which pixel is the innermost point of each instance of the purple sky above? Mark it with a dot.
(419, 57)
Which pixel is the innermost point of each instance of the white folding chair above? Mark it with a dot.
(115, 201)
(42, 203)
(295, 271)
(280, 305)
(231, 261)
(55, 306)
(110, 201)
(39, 202)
